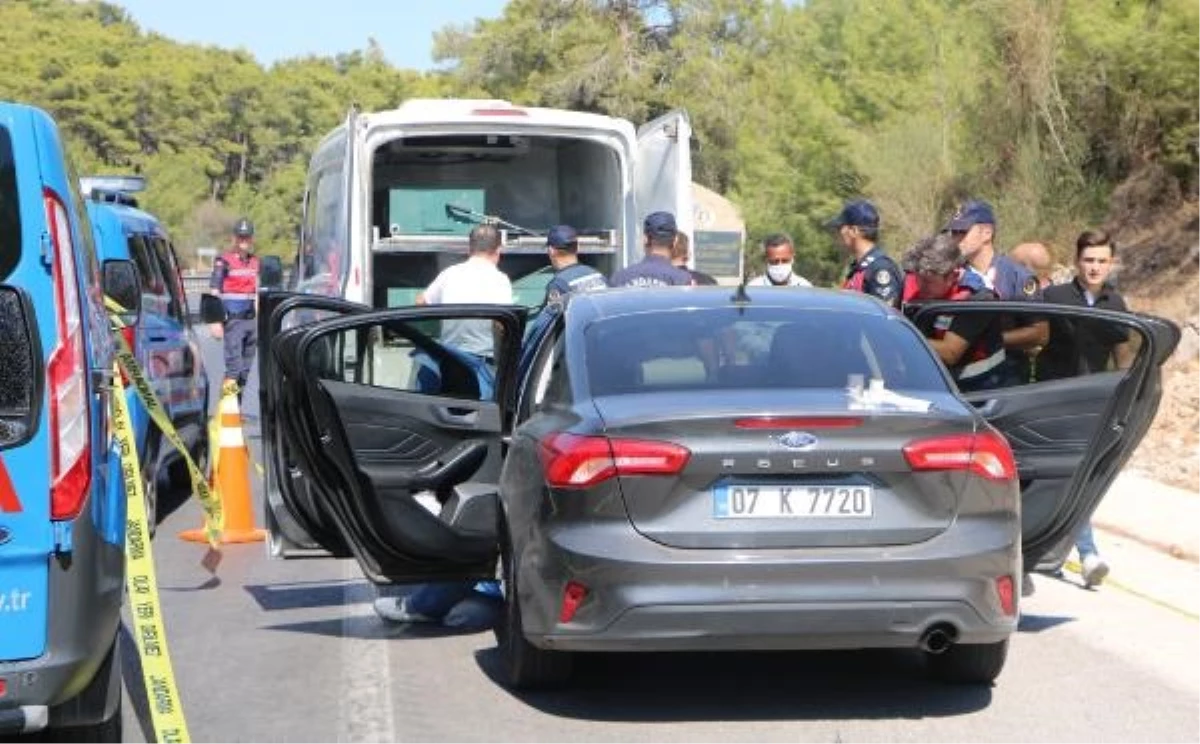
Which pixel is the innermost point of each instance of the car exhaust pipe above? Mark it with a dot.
(937, 638)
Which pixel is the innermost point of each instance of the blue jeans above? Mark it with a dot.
(1085, 541)
(435, 600)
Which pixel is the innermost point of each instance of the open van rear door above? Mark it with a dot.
(663, 172)
(383, 418)
(1070, 434)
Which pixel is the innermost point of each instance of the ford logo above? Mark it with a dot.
(798, 440)
(5, 535)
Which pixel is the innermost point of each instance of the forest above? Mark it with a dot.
(1062, 113)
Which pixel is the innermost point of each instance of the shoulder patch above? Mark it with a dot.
(1030, 286)
(883, 276)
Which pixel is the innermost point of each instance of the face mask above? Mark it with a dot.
(779, 273)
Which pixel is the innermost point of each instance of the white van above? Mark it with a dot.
(391, 196)
(389, 202)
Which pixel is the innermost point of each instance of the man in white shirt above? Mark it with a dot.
(478, 280)
(780, 256)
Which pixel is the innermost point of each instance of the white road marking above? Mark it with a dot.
(365, 688)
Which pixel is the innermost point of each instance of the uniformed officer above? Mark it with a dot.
(969, 344)
(871, 270)
(235, 281)
(655, 270)
(562, 243)
(974, 228)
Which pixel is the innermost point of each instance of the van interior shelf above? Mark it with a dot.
(597, 241)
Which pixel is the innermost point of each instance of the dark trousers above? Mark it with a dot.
(241, 345)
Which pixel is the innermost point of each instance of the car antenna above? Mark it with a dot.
(740, 298)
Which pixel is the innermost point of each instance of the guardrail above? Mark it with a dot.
(196, 283)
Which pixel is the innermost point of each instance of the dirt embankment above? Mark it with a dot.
(1157, 229)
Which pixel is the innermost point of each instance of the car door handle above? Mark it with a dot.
(456, 416)
(158, 339)
(989, 407)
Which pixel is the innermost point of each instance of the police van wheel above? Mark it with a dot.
(96, 697)
(105, 731)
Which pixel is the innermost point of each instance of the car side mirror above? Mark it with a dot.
(270, 272)
(211, 309)
(122, 283)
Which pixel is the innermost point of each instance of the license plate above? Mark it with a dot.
(787, 502)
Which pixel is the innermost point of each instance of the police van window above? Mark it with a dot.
(152, 280)
(728, 349)
(170, 277)
(10, 208)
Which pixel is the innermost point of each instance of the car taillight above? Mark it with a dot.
(986, 455)
(573, 461)
(1007, 595)
(70, 460)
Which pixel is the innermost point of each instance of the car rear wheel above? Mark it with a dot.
(969, 663)
(526, 667)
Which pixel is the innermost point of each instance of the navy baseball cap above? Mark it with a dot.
(660, 225)
(857, 213)
(244, 228)
(971, 213)
(561, 236)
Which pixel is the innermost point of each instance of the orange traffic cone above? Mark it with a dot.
(231, 478)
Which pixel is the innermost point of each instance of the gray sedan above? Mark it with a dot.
(692, 468)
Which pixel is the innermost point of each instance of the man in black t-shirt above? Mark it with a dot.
(679, 257)
(1083, 347)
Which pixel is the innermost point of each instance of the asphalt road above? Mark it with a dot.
(291, 651)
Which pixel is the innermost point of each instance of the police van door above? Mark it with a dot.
(385, 425)
(662, 174)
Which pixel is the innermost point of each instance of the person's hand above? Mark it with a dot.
(217, 330)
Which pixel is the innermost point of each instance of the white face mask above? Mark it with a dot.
(779, 273)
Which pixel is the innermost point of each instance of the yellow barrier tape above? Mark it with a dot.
(166, 710)
(127, 362)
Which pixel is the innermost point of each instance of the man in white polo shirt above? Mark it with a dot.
(478, 280)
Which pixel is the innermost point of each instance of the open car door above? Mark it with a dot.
(663, 172)
(1072, 433)
(395, 434)
(297, 525)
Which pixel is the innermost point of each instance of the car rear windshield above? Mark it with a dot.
(10, 208)
(727, 348)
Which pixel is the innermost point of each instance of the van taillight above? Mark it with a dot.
(66, 372)
(573, 461)
(987, 455)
